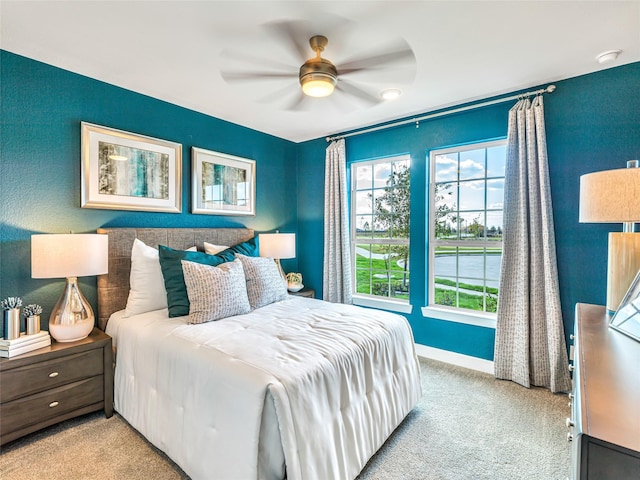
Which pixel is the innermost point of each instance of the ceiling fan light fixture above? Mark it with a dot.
(318, 84)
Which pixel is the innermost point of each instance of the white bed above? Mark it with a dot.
(297, 389)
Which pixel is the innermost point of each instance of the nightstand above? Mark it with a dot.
(305, 292)
(55, 383)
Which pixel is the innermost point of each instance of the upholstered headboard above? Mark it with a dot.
(113, 287)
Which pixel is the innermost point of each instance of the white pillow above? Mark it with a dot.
(265, 284)
(212, 249)
(146, 284)
(215, 292)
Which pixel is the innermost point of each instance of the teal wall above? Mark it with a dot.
(592, 124)
(42, 108)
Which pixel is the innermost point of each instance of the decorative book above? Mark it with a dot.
(24, 344)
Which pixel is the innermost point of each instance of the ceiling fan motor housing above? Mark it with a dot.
(318, 68)
(318, 76)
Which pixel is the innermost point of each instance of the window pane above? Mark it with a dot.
(446, 167)
(496, 160)
(471, 264)
(364, 205)
(472, 164)
(364, 177)
(364, 226)
(495, 194)
(471, 294)
(472, 195)
(381, 174)
(445, 215)
(401, 165)
(471, 225)
(445, 262)
(494, 226)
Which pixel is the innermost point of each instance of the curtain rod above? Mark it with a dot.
(417, 120)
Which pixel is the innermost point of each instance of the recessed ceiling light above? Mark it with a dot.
(390, 93)
(608, 56)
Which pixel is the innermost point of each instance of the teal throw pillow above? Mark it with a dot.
(248, 248)
(171, 265)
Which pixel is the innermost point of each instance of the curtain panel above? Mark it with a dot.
(337, 251)
(530, 345)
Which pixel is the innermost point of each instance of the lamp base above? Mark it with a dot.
(71, 333)
(623, 266)
(72, 318)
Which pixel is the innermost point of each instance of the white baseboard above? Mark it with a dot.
(458, 359)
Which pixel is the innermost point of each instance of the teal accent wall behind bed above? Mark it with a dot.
(42, 107)
(592, 124)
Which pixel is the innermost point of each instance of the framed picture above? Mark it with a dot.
(125, 171)
(627, 318)
(222, 184)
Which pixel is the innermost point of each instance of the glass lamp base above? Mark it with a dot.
(72, 318)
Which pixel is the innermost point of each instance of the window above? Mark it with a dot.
(467, 195)
(380, 228)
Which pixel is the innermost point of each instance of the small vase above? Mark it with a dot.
(33, 324)
(11, 323)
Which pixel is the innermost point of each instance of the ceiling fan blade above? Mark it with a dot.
(350, 89)
(396, 53)
(255, 76)
(232, 57)
(279, 94)
(292, 35)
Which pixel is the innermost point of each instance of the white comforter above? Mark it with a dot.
(315, 386)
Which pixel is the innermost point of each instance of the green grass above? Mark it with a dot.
(465, 300)
(365, 268)
(466, 286)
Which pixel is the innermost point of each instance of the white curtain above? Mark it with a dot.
(337, 258)
(530, 345)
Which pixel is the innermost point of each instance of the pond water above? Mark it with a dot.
(470, 269)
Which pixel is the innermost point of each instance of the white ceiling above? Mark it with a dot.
(176, 51)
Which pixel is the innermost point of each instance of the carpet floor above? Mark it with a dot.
(467, 426)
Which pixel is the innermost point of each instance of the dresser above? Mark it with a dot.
(605, 402)
(55, 383)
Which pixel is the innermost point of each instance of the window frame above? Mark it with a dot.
(364, 299)
(445, 312)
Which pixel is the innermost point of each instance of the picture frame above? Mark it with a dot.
(627, 317)
(222, 184)
(127, 171)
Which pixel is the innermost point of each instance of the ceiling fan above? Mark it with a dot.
(355, 77)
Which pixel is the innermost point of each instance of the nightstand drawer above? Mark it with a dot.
(35, 408)
(41, 376)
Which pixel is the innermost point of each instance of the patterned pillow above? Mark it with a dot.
(265, 284)
(177, 299)
(215, 292)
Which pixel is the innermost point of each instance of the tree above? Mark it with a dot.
(476, 228)
(444, 216)
(392, 212)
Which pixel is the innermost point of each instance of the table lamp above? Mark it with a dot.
(277, 246)
(613, 196)
(69, 256)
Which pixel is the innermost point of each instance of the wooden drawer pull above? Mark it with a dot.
(53, 374)
(53, 404)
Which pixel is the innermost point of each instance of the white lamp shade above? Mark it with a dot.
(611, 196)
(277, 245)
(69, 255)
